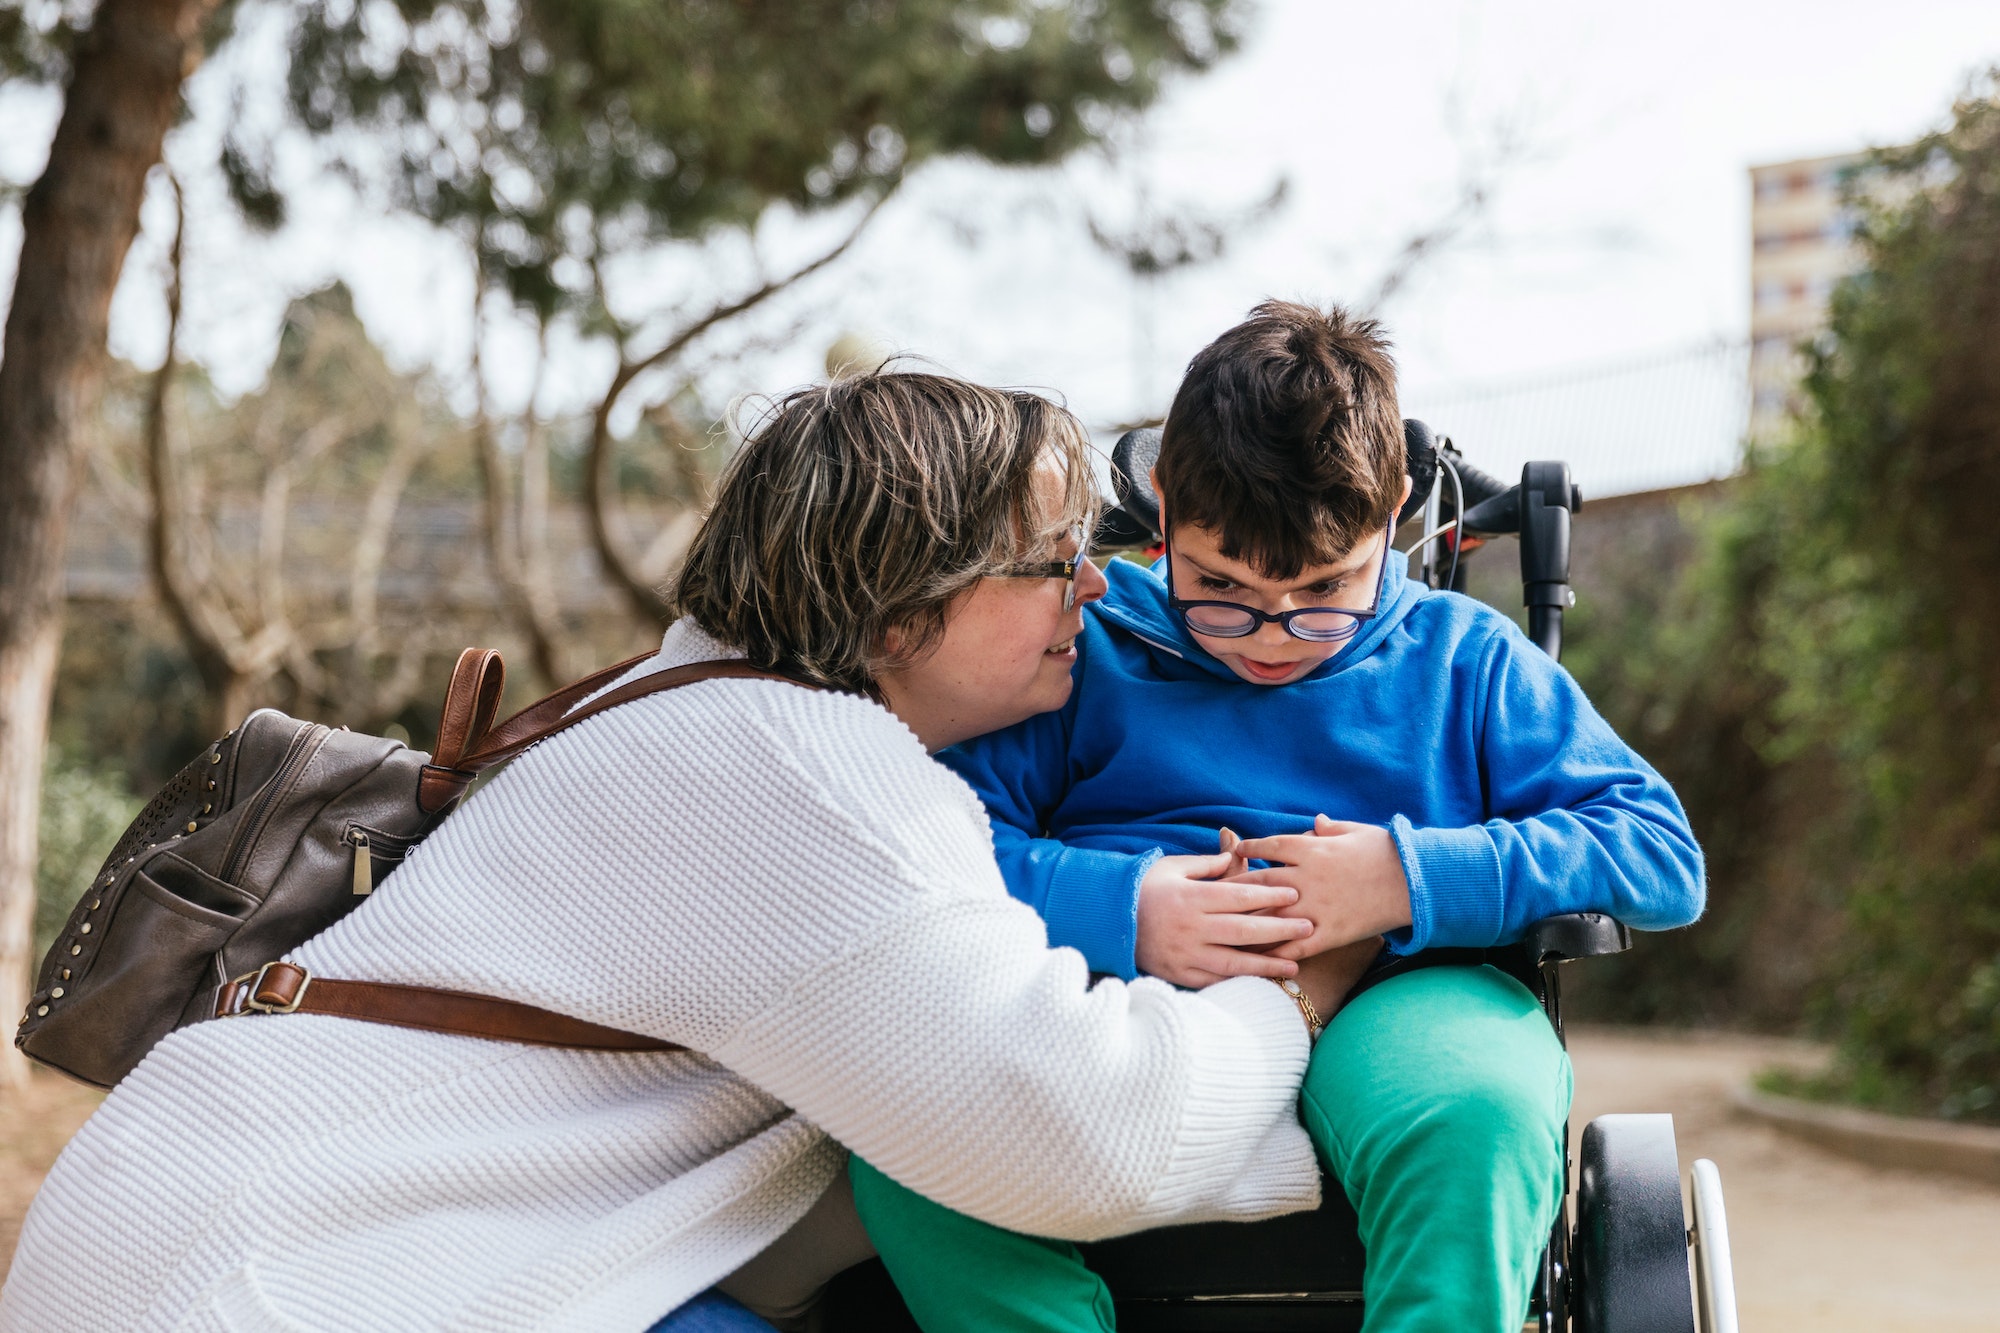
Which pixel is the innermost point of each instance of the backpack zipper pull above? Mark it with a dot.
(364, 866)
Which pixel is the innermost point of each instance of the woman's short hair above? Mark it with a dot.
(870, 504)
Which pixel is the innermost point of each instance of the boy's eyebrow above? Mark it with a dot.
(1338, 573)
(1200, 568)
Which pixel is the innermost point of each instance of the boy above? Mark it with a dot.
(1275, 667)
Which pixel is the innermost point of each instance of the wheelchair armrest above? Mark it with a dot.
(1559, 939)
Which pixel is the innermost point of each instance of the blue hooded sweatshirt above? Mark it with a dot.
(1509, 798)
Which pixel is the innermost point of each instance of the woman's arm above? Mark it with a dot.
(919, 1016)
(785, 881)
(967, 1060)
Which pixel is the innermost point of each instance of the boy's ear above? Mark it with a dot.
(1409, 484)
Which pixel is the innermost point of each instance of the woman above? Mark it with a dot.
(775, 876)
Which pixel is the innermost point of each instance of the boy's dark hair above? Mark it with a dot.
(1285, 439)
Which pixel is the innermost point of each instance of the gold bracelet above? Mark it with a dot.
(1306, 1011)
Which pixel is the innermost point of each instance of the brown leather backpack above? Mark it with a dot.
(268, 837)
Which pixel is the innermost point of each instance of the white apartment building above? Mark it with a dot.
(1801, 244)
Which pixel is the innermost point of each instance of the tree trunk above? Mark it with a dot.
(27, 675)
(234, 697)
(77, 224)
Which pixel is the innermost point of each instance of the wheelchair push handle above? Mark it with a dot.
(1539, 509)
(1548, 500)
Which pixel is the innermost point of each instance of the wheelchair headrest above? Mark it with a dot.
(1420, 463)
(1135, 520)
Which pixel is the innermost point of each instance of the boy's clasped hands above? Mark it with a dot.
(1323, 904)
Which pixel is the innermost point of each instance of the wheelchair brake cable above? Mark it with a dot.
(1431, 536)
(1458, 506)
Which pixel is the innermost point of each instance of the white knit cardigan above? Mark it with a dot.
(779, 878)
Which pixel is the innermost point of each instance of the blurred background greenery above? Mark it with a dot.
(1820, 681)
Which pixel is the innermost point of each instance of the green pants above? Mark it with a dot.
(1437, 1099)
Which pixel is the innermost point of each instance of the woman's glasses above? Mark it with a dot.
(1053, 569)
(1314, 624)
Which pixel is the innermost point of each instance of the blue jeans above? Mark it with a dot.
(711, 1312)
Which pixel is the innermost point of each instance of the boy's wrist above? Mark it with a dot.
(1456, 897)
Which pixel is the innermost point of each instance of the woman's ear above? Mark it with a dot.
(1409, 484)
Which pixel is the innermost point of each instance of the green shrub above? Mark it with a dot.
(1823, 683)
(84, 810)
(1883, 625)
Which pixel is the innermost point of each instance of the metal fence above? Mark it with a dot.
(1669, 419)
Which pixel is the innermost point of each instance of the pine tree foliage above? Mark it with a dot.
(552, 133)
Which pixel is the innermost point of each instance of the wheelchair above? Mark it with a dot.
(1622, 1257)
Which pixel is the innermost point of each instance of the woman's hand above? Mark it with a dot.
(1327, 977)
(1348, 877)
(1195, 930)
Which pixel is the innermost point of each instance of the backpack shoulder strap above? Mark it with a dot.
(539, 721)
(468, 744)
(445, 779)
(287, 988)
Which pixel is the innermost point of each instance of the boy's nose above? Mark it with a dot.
(1271, 635)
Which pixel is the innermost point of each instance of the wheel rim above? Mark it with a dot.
(1714, 1277)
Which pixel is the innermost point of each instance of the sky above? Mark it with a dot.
(1614, 141)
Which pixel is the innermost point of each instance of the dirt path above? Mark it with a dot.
(35, 1123)
(1820, 1243)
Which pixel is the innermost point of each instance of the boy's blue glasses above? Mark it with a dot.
(1314, 624)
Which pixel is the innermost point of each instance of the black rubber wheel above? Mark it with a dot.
(1631, 1246)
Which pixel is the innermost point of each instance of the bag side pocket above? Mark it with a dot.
(135, 990)
(186, 882)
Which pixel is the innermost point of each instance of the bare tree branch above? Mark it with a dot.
(371, 543)
(240, 636)
(213, 640)
(276, 500)
(537, 563)
(506, 517)
(1156, 244)
(274, 515)
(627, 568)
(1482, 171)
